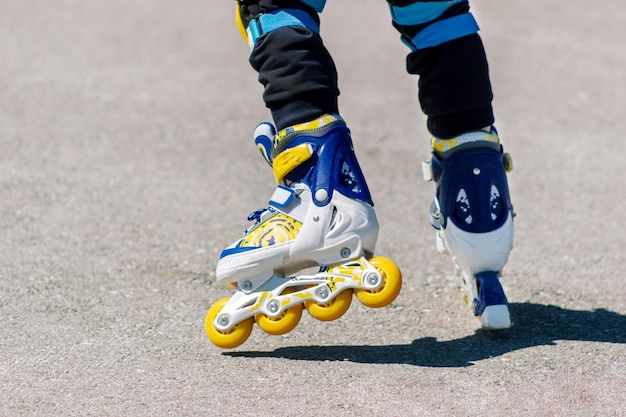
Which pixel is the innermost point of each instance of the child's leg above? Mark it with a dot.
(321, 213)
(472, 211)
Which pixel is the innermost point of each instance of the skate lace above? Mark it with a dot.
(256, 217)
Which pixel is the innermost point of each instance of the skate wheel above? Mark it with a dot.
(230, 338)
(389, 290)
(332, 310)
(282, 324)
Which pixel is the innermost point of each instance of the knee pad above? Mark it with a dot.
(424, 24)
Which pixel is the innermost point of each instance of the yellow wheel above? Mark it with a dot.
(389, 290)
(230, 338)
(282, 324)
(332, 310)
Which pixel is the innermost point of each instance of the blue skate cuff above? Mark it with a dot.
(268, 22)
(443, 31)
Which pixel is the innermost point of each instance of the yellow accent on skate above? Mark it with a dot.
(444, 145)
(257, 305)
(356, 271)
(318, 123)
(290, 159)
(278, 229)
(303, 295)
(286, 301)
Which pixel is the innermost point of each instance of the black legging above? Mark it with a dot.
(300, 77)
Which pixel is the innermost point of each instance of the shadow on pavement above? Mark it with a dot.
(534, 325)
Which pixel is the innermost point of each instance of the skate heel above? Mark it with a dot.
(491, 305)
(473, 217)
(496, 318)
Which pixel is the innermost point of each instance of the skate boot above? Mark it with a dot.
(473, 215)
(321, 215)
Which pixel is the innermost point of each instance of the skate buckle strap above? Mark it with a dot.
(427, 170)
(306, 127)
(473, 138)
(444, 145)
(268, 22)
(289, 159)
(282, 197)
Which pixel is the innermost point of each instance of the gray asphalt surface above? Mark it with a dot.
(127, 164)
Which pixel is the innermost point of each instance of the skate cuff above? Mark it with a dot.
(443, 31)
(268, 22)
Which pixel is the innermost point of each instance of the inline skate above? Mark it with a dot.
(473, 217)
(321, 215)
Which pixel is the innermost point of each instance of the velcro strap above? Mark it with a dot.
(268, 22)
(282, 197)
(478, 136)
(443, 31)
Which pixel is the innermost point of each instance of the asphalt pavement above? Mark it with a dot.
(127, 165)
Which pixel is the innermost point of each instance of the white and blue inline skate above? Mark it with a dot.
(321, 215)
(473, 215)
